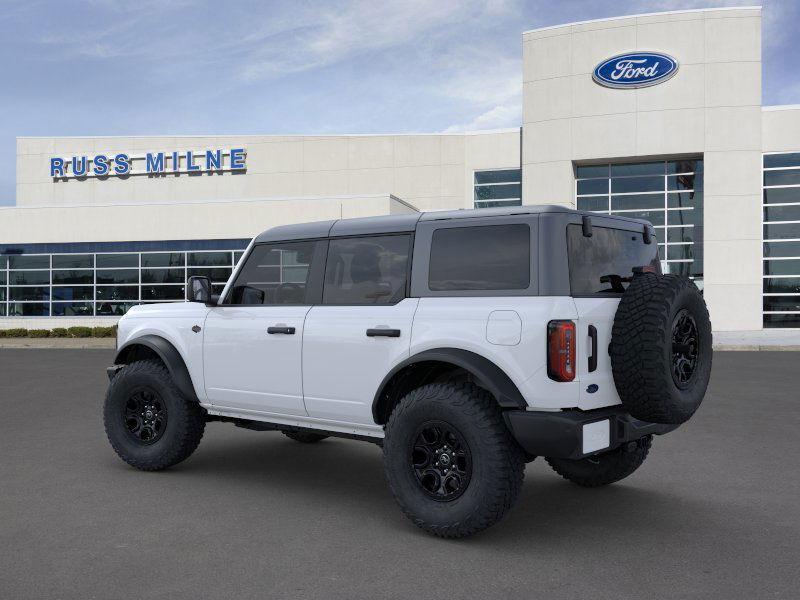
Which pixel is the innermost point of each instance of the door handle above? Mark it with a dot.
(593, 356)
(382, 332)
(281, 329)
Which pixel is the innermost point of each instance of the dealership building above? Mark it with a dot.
(651, 116)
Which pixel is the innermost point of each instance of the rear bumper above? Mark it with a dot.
(577, 433)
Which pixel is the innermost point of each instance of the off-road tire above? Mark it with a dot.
(642, 348)
(605, 468)
(497, 461)
(305, 437)
(185, 419)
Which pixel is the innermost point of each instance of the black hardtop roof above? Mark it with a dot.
(406, 222)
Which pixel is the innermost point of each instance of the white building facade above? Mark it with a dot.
(104, 223)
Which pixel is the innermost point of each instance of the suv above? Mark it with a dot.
(465, 343)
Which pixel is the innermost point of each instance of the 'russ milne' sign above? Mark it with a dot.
(151, 163)
(635, 70)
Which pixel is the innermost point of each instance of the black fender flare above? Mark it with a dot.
(493, 378)
(168, 354)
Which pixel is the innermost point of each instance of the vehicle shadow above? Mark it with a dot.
(549, 513)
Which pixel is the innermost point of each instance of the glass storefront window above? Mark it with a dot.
(66, 277)
(108, 283)
(209, 259)
(73, 261)
(29, 277)
(163, 276)
(666, 193)
(781, 214)
(118, 276)
(111, 261)
(40, 261)
(164, 259)
(500, 187)
(72, 309)
(72, 292)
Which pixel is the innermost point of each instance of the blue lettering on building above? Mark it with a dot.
(237, 159)
(122, 164)
(154, 162)
(635, 70)
(213, 160)
(56, 167)
(150, 163)
(100, 165)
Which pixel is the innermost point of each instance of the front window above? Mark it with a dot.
(275, 274)
(669, 194)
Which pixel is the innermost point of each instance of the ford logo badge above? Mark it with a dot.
(635, 70)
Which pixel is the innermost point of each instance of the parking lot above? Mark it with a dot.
(713, 513)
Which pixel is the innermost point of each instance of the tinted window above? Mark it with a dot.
(368, 270)
(492, 257)
(597, 263)
(275, 274)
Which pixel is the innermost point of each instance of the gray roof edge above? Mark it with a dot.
(408, 222)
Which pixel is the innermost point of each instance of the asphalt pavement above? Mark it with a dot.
(713, 513)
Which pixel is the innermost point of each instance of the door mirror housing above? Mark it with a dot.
(198, 289)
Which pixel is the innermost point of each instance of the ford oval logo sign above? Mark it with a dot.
(635, 70)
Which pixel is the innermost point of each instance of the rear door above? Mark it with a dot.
(361, 329)
(600, 267)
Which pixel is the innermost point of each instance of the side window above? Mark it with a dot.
(490, 257)
(275, 274)
(367, 270)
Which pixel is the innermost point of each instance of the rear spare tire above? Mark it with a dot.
(661, 348)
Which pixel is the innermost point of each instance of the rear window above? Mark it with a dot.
(491, 257)
(604, 262)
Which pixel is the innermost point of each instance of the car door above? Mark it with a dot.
(252, 350)
(361, 329)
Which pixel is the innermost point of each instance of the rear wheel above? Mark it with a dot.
(451, 463)
(148, 422)
(306, 437)
(605, 468)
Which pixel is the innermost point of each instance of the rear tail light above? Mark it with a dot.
(561, 350)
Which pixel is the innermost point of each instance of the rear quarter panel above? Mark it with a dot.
(462, 323)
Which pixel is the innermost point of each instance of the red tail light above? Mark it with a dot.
(561, 350)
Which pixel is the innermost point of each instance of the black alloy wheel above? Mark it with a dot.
(441, 461)
(145, 416)
(685, 348)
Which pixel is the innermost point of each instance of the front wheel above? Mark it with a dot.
(149, 423)
(603, 469)
(450, 461)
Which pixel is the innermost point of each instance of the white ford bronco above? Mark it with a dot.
(465, 343)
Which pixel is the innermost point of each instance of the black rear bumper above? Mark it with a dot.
(560, 434)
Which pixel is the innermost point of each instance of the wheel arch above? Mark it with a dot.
(427, 366)
(155, 346)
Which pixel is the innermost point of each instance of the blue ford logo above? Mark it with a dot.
(635, 70)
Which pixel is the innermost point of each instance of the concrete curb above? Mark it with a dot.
(56, 343)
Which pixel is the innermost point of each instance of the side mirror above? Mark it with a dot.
(198, 289)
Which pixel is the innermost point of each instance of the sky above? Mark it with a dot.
(161, 67)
